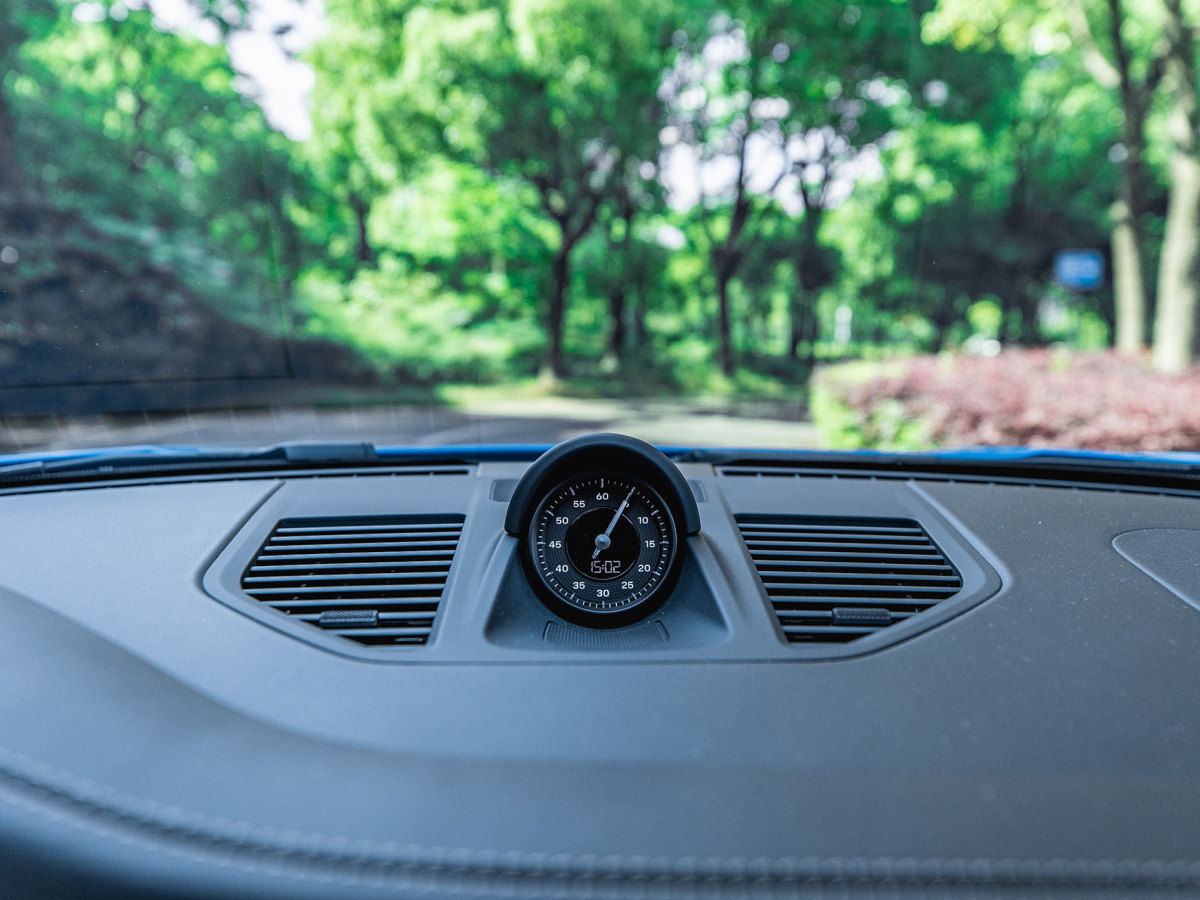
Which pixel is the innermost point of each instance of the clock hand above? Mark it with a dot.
(604, 541)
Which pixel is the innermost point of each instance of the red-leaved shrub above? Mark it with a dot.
(1035, 398)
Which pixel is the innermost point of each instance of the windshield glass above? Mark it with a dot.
(770, 224)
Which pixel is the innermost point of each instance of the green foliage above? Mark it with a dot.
(412, 329)
(968, 210)
(143, 133)
(846, 423)
(488, 181)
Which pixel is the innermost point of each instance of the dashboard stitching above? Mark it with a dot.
(172, 822)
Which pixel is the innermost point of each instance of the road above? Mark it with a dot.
(544, 420)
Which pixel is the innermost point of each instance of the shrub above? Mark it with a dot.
(411, 328)
(1034, 398)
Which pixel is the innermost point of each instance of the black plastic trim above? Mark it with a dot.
(611, 452)
(1139, 476)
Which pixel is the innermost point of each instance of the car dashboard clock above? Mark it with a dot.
(600, 519)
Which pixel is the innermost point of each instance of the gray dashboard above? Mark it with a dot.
(160, 733)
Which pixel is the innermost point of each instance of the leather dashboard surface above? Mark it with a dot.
(156, 739)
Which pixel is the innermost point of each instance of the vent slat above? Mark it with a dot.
(802, 575)
(784, 542)
(859, 587)
(343, 556)
(837, 580)
(390, 537)
(826, 617)
(372, 638)
(382, 619)
(813, 629)
(384, 631)
(423, 588)
(804, 557)
(787, 605)
(433, 544)
(783, 602)
(830, 635)
(871, 531)
(331, 530)
(373, 580)
(343, 575)
(773, 568)
(417, 604)
(353, 579)
(276, 565)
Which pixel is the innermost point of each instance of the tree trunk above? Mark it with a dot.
(810, 331)
(363, 252)
(1029, 334)
(942, 319)
(561, 277)
(724, 333)
(1129, 286)
(727, 257)
(12, 178)
(573, 223)
(1175, 325)
(813, 275)
(619, 255)
(616, 329)
(795, 332)
(1129, 291)
(803, 332)
(639, 321)
(755, 322)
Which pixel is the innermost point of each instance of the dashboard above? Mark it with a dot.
(601, 673)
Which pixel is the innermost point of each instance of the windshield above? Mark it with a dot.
(772, 224)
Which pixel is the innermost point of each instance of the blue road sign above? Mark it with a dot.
(1079, 270)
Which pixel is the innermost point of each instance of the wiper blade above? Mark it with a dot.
(151, 459)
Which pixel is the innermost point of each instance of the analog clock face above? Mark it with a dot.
(602, 545)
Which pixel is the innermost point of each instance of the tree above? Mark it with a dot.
(362, 144)
(1175, 324)
(995, 169)
(783, 98)
(24, 20)
(147, 200)
(619, 270)
(559, 95)
(1132, 48)
(136, 127)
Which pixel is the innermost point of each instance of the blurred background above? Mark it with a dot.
(798, 224)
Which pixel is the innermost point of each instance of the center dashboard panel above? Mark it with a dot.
(602, 544)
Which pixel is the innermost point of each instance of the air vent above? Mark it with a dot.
(834, 580)
(376, 580)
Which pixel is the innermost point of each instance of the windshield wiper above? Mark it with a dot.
(151, 460)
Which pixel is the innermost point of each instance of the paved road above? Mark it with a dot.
(537, 421)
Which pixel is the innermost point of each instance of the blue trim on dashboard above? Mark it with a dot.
(149, 450)
(480, 452)
(520, 452)
(980, 454)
